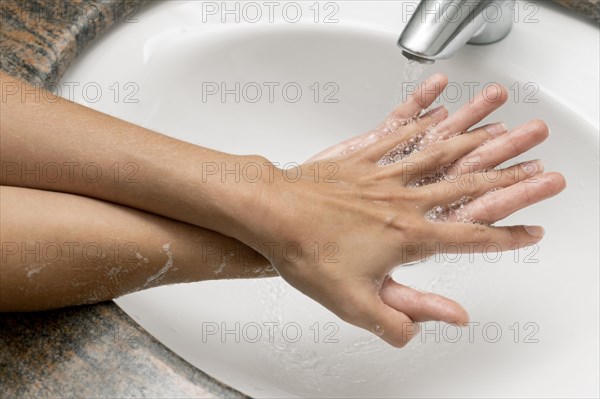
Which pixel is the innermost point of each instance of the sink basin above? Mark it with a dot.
(534, 312)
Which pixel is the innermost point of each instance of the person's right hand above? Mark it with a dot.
(336, 237)
(425, 306)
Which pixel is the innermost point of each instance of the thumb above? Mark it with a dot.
(422, 306)
(391, 325)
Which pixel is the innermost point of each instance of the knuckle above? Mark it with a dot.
(488, 210)
(401, 337)
(465, 184)
(461, 186)
(481, 233)
(399, 342)
(410, 228)
(434, 151)
(511, 174)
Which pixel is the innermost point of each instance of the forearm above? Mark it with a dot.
(59, 250)
(52, 144)
(345, 237)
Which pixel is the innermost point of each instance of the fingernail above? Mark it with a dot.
(535, 231)
(437, 112)
(533, 167)
(496, 129)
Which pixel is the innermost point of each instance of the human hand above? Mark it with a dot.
(371, 215)
(425, 306)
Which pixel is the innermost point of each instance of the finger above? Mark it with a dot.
(422, 306)
(476, 184)
(339, 149)
(345, 147)
(476, 238)
(490, 99)
(503, 148)
(497, 205)
(385, 149)
(422, 98)
(371, 313)
(394, 327)
(435, 157)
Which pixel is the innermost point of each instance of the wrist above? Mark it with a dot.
(235, 188)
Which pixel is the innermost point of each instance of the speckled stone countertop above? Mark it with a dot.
(589, 8)
(90, 351)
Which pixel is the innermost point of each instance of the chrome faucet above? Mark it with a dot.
(439, 28)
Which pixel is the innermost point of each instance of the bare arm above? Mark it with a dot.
(43, 136)
(61, 250)
(369, 212)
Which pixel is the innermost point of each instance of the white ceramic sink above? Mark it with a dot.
(546, 298)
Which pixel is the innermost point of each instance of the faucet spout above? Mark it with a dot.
(439, 28)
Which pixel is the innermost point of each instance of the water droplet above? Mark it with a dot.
(377, 330)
